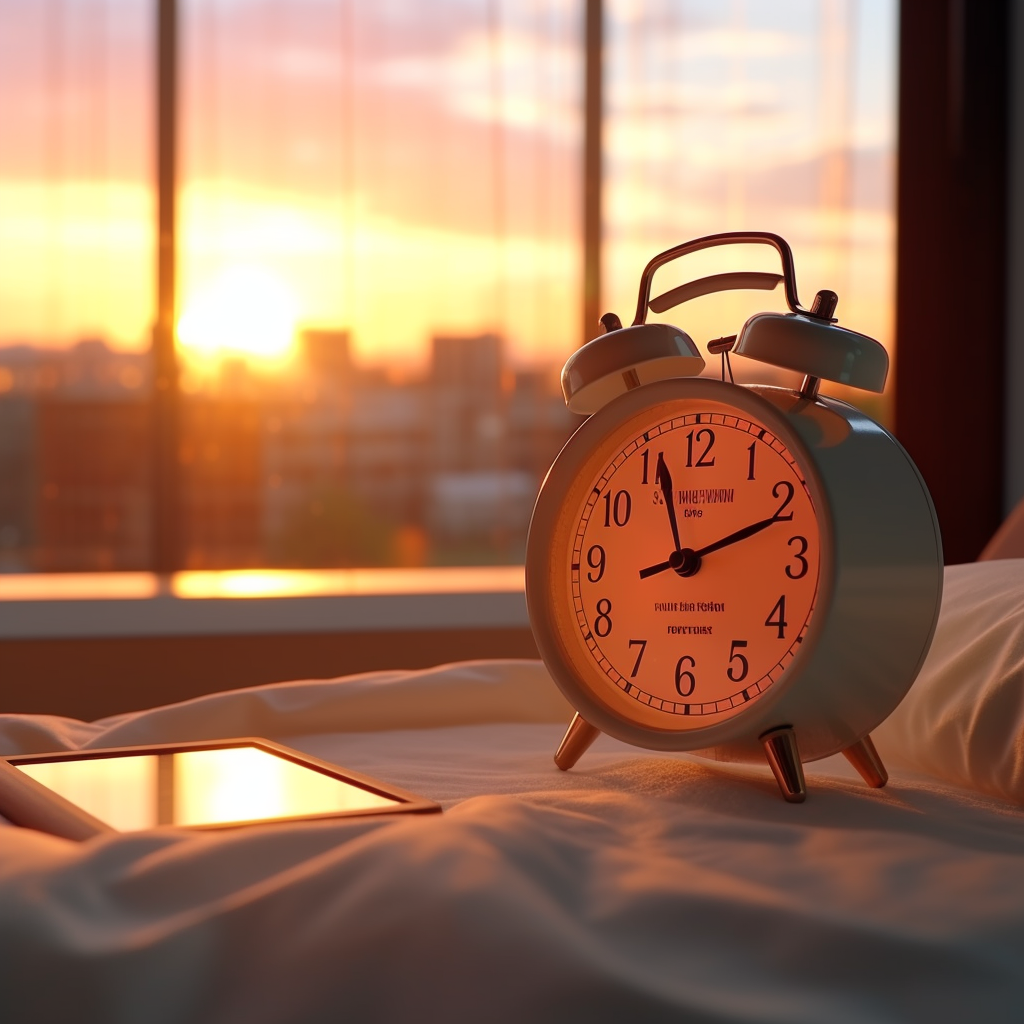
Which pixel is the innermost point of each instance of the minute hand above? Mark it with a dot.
(747, 531)
(687, 561)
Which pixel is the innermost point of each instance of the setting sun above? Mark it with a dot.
(245, 311)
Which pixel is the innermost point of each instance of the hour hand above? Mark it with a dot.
(664, 480)
(653, 570)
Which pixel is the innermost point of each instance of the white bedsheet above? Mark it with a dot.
(639, 886)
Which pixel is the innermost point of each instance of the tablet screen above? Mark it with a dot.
(214, 786)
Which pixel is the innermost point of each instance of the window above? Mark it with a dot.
(380, 251)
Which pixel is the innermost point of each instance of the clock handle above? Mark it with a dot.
(724, 238)
(575, 742)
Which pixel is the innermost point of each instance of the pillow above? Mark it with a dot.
(1008, 540)
(963, 719)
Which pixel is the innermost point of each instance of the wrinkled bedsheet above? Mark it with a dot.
(640, 886)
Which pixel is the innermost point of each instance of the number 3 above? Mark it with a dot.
(801, 571)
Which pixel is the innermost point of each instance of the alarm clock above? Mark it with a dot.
(745, 572)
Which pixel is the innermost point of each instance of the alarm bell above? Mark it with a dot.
(805, 340)
(625, 358)
(815, 347)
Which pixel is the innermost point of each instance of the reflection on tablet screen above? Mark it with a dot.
(200, 787)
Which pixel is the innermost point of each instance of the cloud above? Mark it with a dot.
(520, 79)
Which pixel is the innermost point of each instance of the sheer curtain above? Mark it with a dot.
(76, 204)
(398, 170)
(380, 203)
(76, 282)
(750, 116)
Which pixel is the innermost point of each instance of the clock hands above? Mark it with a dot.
(686, 561)
(747, 531)
(682, 561)
(664, 479)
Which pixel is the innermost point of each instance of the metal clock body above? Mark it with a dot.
(740, 571)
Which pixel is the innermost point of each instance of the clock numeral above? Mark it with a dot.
(779, 620)
(685, 680)
(702, 459)
(801, 571)
(603, 622)
(642, 644)
(647, 460)
(618, 511)
(788, 488)
(596, 564)
(737, 672)
(750, 462)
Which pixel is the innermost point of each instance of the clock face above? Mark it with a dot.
(693, 564)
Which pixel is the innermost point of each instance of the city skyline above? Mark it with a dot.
(339, 466)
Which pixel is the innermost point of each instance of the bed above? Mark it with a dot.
(639, 886)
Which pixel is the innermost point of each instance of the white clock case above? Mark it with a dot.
(879, 587)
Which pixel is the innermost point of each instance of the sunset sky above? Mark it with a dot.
(403, 169)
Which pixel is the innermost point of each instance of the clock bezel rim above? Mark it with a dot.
(567, 474)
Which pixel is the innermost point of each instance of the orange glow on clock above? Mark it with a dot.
(694, 565)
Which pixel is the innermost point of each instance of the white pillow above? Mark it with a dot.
(963, 719)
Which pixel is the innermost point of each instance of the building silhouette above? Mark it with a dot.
(326, 464)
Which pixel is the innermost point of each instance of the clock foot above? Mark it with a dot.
(863, 756)
(784, 760)
(575, 742)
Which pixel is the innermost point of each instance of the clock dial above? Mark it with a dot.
(694, 564)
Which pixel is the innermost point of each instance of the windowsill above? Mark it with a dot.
(94, 605)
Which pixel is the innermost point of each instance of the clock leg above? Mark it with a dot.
(784, 760)
(574, 743)
(863, 756)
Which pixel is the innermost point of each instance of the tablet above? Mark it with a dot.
(212, 784)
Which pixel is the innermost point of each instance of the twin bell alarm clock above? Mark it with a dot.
(745, 572)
